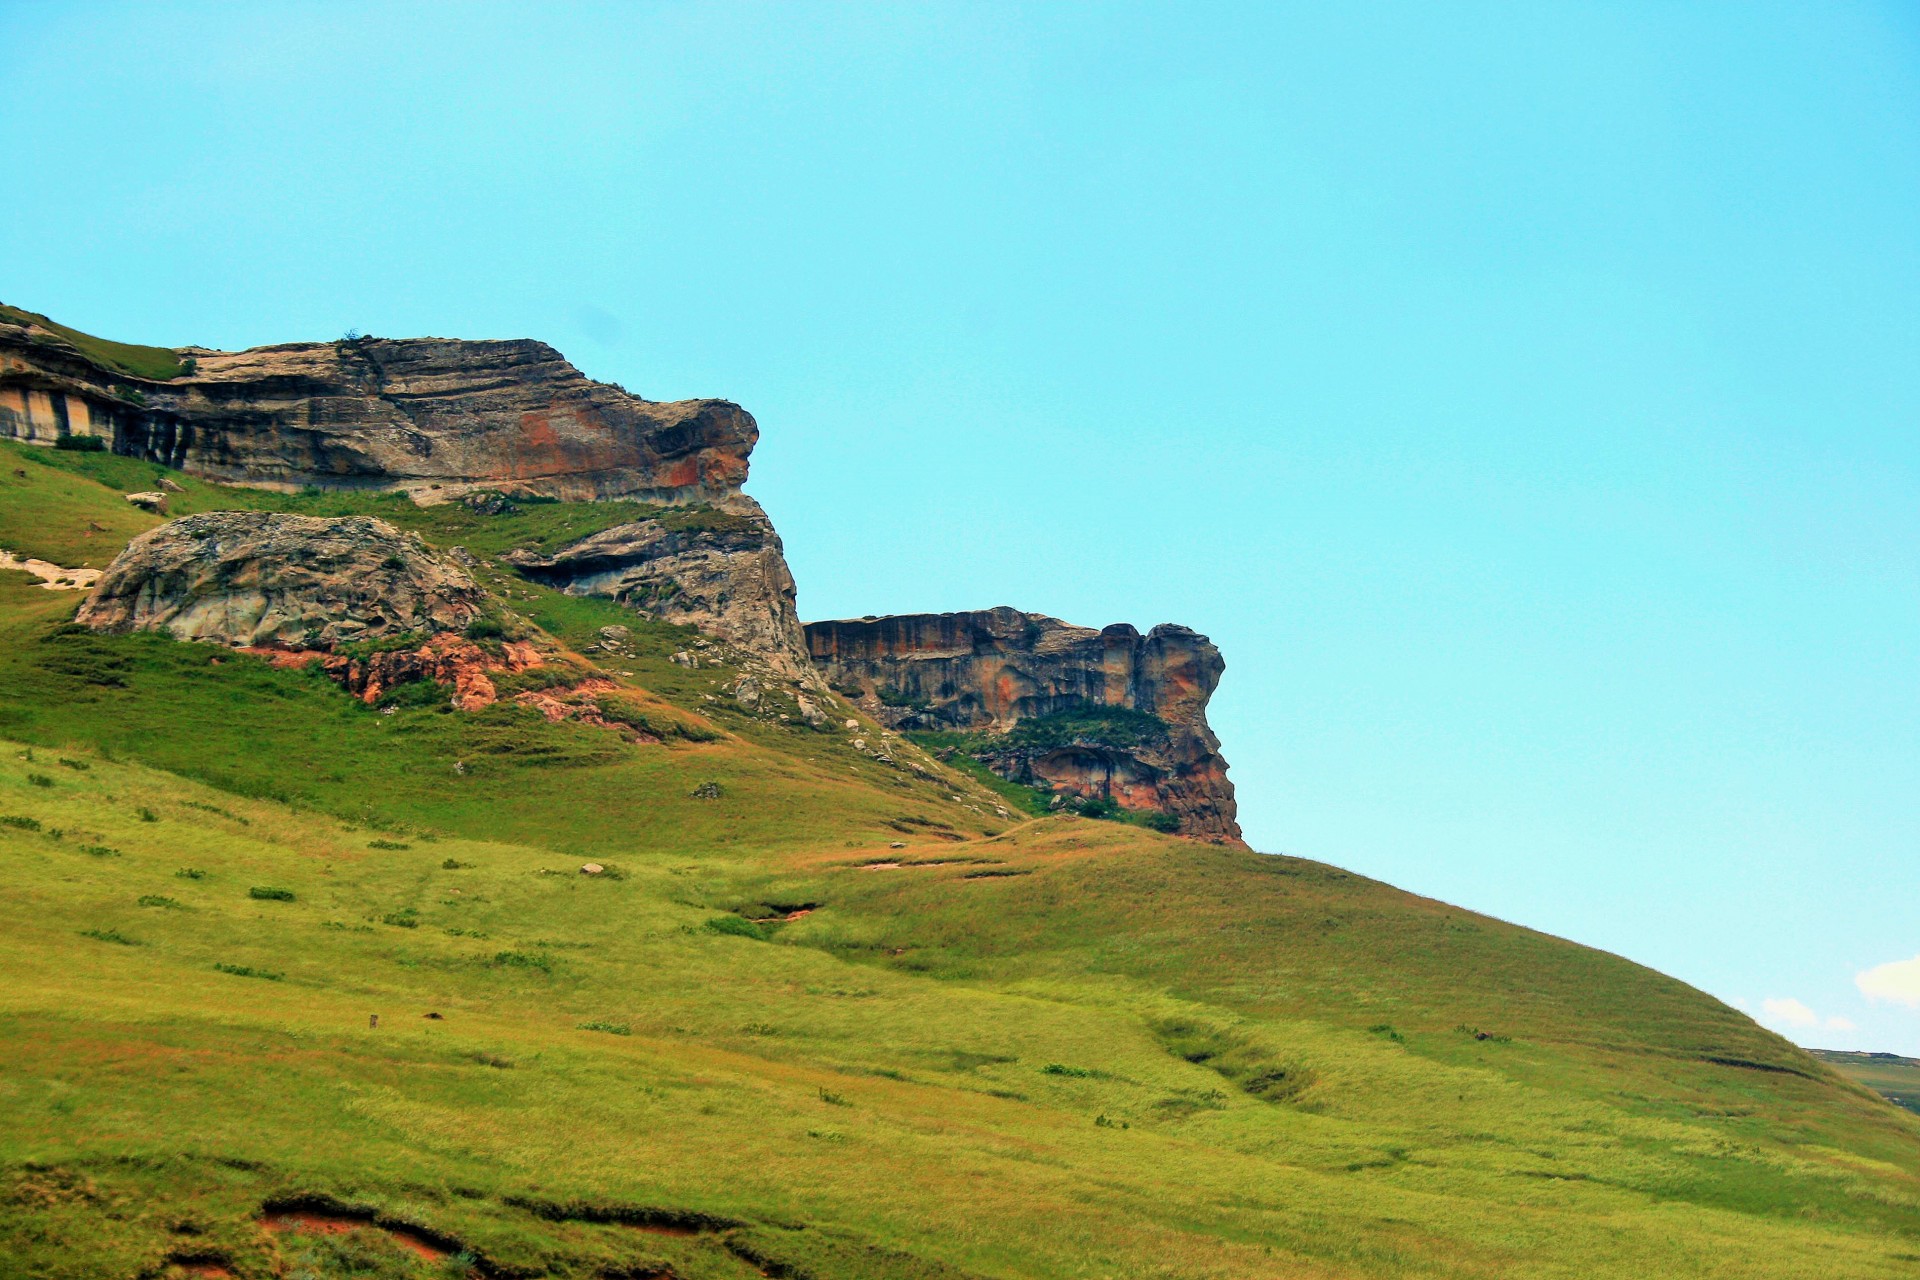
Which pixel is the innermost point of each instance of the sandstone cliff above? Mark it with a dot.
(260, 579)
(432, 416)
(1107, 714)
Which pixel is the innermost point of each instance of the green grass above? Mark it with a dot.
(1055, 1047)
(155, 364)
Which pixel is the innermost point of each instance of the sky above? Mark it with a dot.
(1523, 396)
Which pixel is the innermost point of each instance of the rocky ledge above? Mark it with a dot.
(722, 571)
(435, 417)
(1102, 716)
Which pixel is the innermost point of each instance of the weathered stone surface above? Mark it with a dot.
(726, 575)
(436, 417)
(263, 579)
(990, 671)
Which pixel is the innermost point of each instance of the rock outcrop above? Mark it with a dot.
(1107, 715)
(435, 417)
(721, 571)
(257, 579)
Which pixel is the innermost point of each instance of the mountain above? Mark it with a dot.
(506, 885)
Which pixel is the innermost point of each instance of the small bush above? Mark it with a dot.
(833, 1099)
(190, 873)
(737, 927)
(19, 823)
(1165, 823)
(611, 1028)
(248, 971)
(111, 935)
(493, 1060)
(147, 815)
(485, 629)
(1058, 1069)
(81, 444)
(99, 851)
(216, 809)
(523, 960)
(81, 765)
(388, 844)
(454, 864)
(39, 780)
(408, 919)
(265, 894)
(156, 900)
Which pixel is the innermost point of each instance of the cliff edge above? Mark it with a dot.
(1107, 716)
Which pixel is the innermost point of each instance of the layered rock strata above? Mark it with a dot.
(723, 572)
(268, 580)
(435, 417)
(1108, 715)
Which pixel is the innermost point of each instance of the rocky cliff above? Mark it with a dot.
(1107, 716)
(1099, 717)
(432, 416)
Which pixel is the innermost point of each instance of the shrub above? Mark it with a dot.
(147, 815)
(387, 844)
(485, 629)
(81, 765)
(1165, 823)
(190, 873)
(454, 864)
(833, 1099)
(99, 850)
(408, 919)
(23, 824)
(111, 935)
(737, 927)
(523, 960)
(39, 780)
(248, 971)
(156, 900)
(270, 895)
(1057, 1069)
(611, 1028)
(81, 444)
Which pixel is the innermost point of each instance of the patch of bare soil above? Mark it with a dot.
(337, 1222)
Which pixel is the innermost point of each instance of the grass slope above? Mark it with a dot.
(1050, 1047)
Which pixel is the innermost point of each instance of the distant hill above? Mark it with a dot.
(1893, 1077)
(420, 916)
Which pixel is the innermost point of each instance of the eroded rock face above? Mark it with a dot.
(436, 417)
(723, 572)
(1097, 714)
(265, 580)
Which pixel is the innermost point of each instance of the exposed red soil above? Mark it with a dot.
(324, 1223)
(197, 1265)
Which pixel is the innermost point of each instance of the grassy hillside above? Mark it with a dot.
(839, 1021)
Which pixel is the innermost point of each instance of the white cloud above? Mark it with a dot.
(1841, 1024)
(1788, 1012)
(1898, 981)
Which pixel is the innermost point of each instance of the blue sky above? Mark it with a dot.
(1523, 396)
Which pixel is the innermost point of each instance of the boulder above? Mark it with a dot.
(269, 580)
